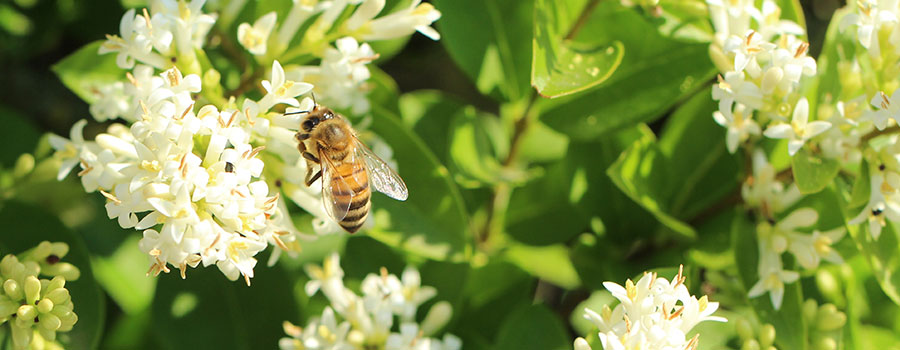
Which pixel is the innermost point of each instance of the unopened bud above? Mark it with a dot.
(24, 166)
(810, 310)
(32, 289)
(766, 335)
(744, 329)
(750, 344)
(830, 318)
(437, 318)
(824, 343)
(581, 344)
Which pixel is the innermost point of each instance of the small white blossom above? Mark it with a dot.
(740, 125)
(417, 17)
(799, 130)
(734, 88)
(887, 109)
(254, 37)
(871, 16)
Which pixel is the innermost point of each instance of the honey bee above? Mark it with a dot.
(347, 167)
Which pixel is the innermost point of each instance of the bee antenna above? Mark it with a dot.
(316, 104)
(296, 112)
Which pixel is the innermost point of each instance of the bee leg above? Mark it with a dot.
(310, 180)
(301, 136)
(311, 157)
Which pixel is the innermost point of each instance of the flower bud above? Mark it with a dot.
(26, 312)
(59, 295)
(32, 289)
(581, 344)
(50, 322)
(21, 336)
(744, 329)
(830, 318)
(824, 343)
(750, 344)
(437, 317)
(24, 166)
(767, 335)
(810, 310)
(12, 289)
(45, 306)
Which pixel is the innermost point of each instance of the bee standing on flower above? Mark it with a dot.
(346, 166)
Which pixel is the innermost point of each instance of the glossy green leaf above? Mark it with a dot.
(813, 172)
(881, 254)
(429, 114)
(558, 67)
(85, 71)
(550, 263)
(491, 293)
(474, 158)
(862, 187)
(656, 73)
(533, 327)
(207, 311)
(790, 326)
(639, 173)
(123, 275)
(28, 225)
(433, 222)
(491, 41)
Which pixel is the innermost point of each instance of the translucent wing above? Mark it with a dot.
(381, 176)
(336, 192)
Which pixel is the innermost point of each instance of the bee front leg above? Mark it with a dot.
(310, 180)
(311, 157)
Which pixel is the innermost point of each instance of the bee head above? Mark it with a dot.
(310, 123)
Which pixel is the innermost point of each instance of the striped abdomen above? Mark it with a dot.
(356, 199)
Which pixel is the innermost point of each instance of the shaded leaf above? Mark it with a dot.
(790, 326)
(433, 222)
(811, 172)
(533, 327)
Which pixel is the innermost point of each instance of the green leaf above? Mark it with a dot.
(862, 187)
(639, 172)
(811, 172)
(29, 225)
(474, 148)
(655, 74)
(491, 41)
(207, 311)
(429, 114)
(123, 275)
(85, 71)
(549, 263)
(533, 327)
(790, 326)
(19, 135)
(792, 10)
(491, 293)
(595, 302)
(879, 338)
(433, 222)
(559, 67)
(881, 254)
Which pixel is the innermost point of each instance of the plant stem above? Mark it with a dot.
(875, 133)
(582, 19)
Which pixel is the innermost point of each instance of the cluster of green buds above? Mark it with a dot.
(825, 324)
(751, 340)
(36, 308)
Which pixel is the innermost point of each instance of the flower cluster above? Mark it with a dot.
(762, 69)
(368, 321)
(200, 171)
(653, 313)
(36, 308)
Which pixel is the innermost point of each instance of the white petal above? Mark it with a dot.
(779, 131)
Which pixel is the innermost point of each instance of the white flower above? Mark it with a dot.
(879, 208)
(186, 20)
(763, 189)
(417, 17)
(887, 109)
(733, 87)
(69, 149)
(731, 17)
(869, 20)
(340, 78)
(747, 48)
(740, 125)
(800, 130)
(254, 37)
(772, 278)
(811, 249)
(653, 314)
(772, 25)
(134, 44)
(280, 90)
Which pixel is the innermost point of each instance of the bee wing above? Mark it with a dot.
(381, 176)
(336, 192)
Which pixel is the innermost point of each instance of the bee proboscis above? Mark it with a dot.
(347, 167)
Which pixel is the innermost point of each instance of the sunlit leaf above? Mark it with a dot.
(85, 71)
(561, 67)
(813, 172)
